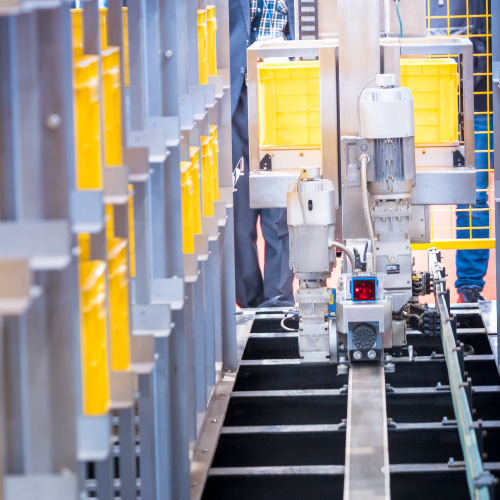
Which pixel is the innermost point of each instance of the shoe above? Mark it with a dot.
(470, 295)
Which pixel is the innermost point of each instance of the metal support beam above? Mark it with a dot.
(367, 448)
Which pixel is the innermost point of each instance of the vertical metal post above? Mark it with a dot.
(104, 474)
(62, 305)
(229, 344)
(127, 456)
(359, 56)
(163, 422)
(147, 438)
(136, 43)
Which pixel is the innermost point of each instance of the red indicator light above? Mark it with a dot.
(364, 289)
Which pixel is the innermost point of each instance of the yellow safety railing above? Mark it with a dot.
(443, 218)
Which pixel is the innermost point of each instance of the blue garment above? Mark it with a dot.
(252, 290)
(472, 265)
(239, 40)
(275, 288)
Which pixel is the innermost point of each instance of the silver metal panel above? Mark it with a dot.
(281, 159)
(488, 311)
(444, 186)
(168, 291)
(45, 243)
(37, 486)
(367, 447)
(412, 14)
(151, 319)
(420, 224)
(268, 189)
(359, 57)
(328, 104)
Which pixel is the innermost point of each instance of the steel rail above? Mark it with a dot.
(477, 477)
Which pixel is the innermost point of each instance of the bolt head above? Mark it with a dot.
(53, 121)
(168, 53)
(357, 355)
(372, 354)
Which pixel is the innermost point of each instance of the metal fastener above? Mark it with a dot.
(53, 121)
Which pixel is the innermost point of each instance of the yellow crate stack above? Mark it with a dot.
(203, 46)
(212, 40)
(289, 104)
(434, 86)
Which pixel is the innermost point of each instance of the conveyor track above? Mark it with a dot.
(284, 433)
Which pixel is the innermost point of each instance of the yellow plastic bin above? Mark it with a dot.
(212, 40)
(119, 303)
(289, 104)
(94, 341)
(87, 123)
(113, 151)
(202, 46)
(434, 86)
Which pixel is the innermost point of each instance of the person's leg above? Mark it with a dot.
(472, 265)
(249, 285)
(278, 278)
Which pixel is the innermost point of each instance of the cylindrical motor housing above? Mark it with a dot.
(311, 224)
(386, 116)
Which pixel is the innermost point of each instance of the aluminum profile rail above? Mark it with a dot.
(478, 480)
(367, 445)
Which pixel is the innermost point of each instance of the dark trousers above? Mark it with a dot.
(275, 288)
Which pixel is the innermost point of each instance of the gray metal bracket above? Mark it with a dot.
(137, 159)
(207, 90)
(87, 211)
(170, 125)
(155, 140)
(116, 184)
(151, 319)
(15, 283)
(168, 291)
(45, 243)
